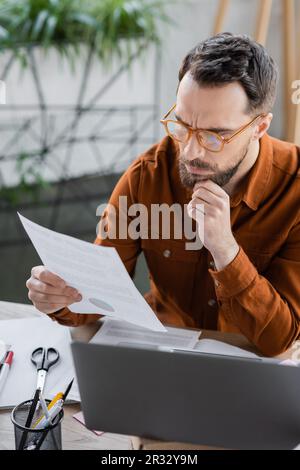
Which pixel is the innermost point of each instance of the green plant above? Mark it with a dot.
(31, 181)
(64, 23)
(112, 28)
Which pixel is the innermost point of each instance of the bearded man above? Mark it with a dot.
(219, 163)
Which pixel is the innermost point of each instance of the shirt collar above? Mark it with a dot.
(252, 192)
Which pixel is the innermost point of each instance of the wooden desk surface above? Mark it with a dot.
(75, 435)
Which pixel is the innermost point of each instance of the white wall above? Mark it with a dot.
(195, 23)
(61, 87)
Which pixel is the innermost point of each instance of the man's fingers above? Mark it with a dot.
(206, 196)
(41, 273)
(38, 297)
(194, 208)
(200, 204)
(34, 284)
(49, 292)
(212, 187)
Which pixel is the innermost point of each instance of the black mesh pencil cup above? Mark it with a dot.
(26, 438)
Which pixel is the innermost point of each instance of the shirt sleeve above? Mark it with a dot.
(265, 308)
(112, 231)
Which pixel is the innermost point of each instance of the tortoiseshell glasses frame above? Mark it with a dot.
(210, 140)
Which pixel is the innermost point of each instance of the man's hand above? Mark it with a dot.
(48, 292)
(216, 235)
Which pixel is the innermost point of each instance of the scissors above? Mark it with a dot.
(43, 358)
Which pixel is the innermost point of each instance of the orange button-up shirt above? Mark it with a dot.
(258, 293)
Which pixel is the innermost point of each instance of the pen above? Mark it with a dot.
(46, 420)
(60, 397)
(5, 369)
(44, 405)
(4, 350)
(29, 419)
(57, 397)
(32, 444)
(37, 443)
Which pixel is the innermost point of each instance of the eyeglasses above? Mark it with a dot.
(211, 141)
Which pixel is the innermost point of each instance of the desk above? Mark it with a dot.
(75, 436)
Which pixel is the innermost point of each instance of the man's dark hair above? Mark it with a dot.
(227, 58)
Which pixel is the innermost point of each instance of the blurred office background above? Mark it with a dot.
(86, 84)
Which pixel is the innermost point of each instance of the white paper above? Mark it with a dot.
(25, 335)
(97, 272)
(289, 362)
(212, 346)
(116, 332)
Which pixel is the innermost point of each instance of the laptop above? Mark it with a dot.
(186, 396)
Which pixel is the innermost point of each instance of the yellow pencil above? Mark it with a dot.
(58, 396)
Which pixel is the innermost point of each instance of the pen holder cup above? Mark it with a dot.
(48, 438)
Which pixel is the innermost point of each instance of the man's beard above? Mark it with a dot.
(221, 178)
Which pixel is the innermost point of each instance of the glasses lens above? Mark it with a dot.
(177, 131)
(210, 140)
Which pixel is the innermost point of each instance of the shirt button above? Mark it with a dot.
(212, 264)
(211, 302)
(167, 253)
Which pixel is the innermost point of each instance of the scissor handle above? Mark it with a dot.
(44, 358)
(51, 358)
(37, 357)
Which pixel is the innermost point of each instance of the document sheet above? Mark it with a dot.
(97, 272)
(116, 332)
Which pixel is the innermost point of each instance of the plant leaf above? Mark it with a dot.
(39, 24)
